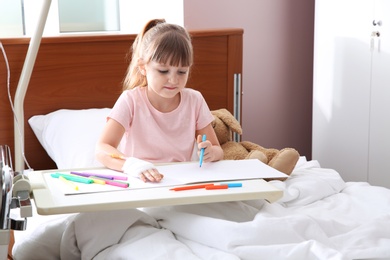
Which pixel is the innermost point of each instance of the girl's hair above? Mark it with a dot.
(159, 42)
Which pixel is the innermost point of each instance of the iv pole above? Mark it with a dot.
(15, 189)
(23, 85)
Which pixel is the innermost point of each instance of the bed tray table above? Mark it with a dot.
(49, 200)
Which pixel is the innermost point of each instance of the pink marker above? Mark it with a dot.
(117, 183)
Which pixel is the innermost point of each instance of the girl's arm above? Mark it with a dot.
(107, 145)
(213, 151)
(108, 154)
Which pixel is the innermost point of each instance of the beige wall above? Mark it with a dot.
(277, 65)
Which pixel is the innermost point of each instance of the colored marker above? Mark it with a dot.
(72, 178)
(84, 174)
(115, 155)
(112, 182)
(117, 183)
(104, 176)
(192, 187)
(233, 184)
(98, 181)
(217, 187)
(118, 156)
(202, 152)
(69, 183)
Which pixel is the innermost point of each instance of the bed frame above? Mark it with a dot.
(86, 71)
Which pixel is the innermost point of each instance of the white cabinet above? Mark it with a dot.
(379, 150)
(351, 89)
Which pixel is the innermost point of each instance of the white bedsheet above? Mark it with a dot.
(319, 217)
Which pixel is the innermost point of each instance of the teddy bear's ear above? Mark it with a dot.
(228, 119)
(213, 123)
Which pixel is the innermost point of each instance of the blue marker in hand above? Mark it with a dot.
(202, 152)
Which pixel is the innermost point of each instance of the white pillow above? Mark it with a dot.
(69, 136)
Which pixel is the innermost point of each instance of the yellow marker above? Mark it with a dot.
(118, 156)
(98, 181)
(69, 183)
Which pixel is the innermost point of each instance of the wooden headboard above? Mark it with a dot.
(80, 71)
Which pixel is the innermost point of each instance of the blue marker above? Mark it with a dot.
(202, 152)
(232, 184)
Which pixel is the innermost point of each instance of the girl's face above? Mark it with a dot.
(164, 80)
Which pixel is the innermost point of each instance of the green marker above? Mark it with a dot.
(72, 178)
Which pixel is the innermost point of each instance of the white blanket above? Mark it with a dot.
(319, 217)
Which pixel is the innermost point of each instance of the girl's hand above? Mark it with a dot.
(141, 169)
(208, 155)
(151, 175)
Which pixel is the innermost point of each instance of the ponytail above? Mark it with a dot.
(134, 77)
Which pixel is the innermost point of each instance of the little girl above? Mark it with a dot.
(158, 117)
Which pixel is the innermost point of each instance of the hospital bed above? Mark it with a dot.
(76, 80)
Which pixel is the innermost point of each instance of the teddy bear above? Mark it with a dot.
(225, 124)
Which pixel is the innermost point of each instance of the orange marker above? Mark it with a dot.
(217, 187)
(192, 187)
(118, 156)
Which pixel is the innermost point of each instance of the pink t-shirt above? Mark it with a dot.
(160, 137)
